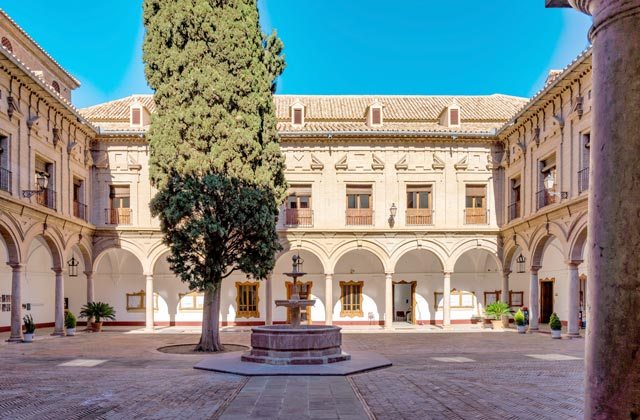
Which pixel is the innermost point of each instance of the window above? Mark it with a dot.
(359, 205)
(419, 205)
(193, 301)
(491, 297)
(547, 172)
(247, 300)
(298, 115)
(56, 86)
(79, 208)
(136, 301)
(298, 211)
(44, 179)
(7, 44)
(583, 173)
(5, 173)
(120, 211)
(457, 299)
(514, 206)
(475, 204)
(454, 116)
(516, 298)
(376, 116)
(351, 298)
(135, 116)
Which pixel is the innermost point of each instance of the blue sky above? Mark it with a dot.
(334, 46)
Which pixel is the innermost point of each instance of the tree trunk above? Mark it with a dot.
(210, 338)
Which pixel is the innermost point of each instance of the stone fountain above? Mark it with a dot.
(295, 344)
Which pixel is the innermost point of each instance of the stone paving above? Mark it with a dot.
(116, 375)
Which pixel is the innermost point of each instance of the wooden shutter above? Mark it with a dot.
(297, 116)
(375, 116)
(454, 117)
(135, 116)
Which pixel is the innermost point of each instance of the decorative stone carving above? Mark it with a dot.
(316, 164)
(492, 165)
(102, 159)
(88, 158)
(462, 164)
(342, 164)
(72, 145)
(438, 162)
(377, 164)
(132, 161)
(402, 164)
(56, 136)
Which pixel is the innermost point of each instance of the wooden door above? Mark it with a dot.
(546, 301)
(304, 290)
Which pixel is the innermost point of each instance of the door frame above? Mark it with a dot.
(288, 285)
(551, 281)
(413, 284)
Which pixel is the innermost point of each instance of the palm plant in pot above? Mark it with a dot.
(555, 325)
(498, 312)
(29, 328)
(70, 322)
(98, 311)
(519, 320)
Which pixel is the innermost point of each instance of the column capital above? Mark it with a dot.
(573, 264)
(447, 273)
(506, 273)
(58, 270)
(388, 275)
(535, 268)
(89, 273)
(328, 275)
(15, 266)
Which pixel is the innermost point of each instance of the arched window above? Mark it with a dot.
(7, 44)
(55, 86)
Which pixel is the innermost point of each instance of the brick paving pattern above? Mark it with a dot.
(136, 381)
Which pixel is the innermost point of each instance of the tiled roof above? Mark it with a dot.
(479, 114)
(117, 110)
(13, 22)
(416, 108)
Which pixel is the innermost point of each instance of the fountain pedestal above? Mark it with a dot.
(295, 344)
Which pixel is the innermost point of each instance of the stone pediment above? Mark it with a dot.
(438, 162)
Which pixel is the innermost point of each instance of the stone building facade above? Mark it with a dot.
(407, 210)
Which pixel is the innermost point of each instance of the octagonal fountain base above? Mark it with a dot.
(302, 345)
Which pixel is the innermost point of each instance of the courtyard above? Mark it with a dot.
(458, 375)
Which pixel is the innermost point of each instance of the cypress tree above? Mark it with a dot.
(213, 72)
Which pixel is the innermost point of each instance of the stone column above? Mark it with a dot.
(388, 301)
(16, 303)
(613, 291)
(573, 324)
(446, 305)
(268, 291)
(59, 302)
(534, 300)
(505, 286)
(148, 303)
(90, 294)
(328, 299)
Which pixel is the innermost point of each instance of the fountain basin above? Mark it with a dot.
(302, 345)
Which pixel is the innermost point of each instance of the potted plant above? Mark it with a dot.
(98, 311)
(29, 328)
(519, 320)
(70, 323)
(555, 325)
(498, 312)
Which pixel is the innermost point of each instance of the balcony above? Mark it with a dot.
(120, 216)
(5, 180)
(80, 210)
(514, 210)
(298, 217)
(419, 217)
(359, 217)
(583, 179)
(476, 216)
(46, 197)
(544, 198)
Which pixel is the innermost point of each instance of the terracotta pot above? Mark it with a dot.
(496, 324)
(97, 326)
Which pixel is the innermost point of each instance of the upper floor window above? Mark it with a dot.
(297, 114)
(514, 199)
(136, 116)
(44, 179)
(298, 211)
(454, 116)
(119, 212)
(374, 115)
(5, 173)
(583, 173)
(7, 44)
(419, 210)
(547, 181)
(450, 116)
(475, 204)
(56, 86)
(359, 210)
(247, 299)
(79, 208)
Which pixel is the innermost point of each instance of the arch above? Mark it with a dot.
(407, 255)
(11, 242)
(473, 244)
(352, 245)
(55, 248)
(7, 44)
(309, 246)
(157, 251)
(430, 246)
(576, 247)
(302, 249)
(103, 247)
(540, 245)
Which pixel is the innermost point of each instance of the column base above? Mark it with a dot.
(58, 333)
(533, 330)
(574, 335)
(446, 327)
(14, 340)
(150, 330)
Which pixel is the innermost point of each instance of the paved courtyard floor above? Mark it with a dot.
(460, 375)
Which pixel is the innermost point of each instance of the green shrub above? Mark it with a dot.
(497, 309)
(69, 319)
(29, 325)
(554, 322)
(519, 317)
(98, 311)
